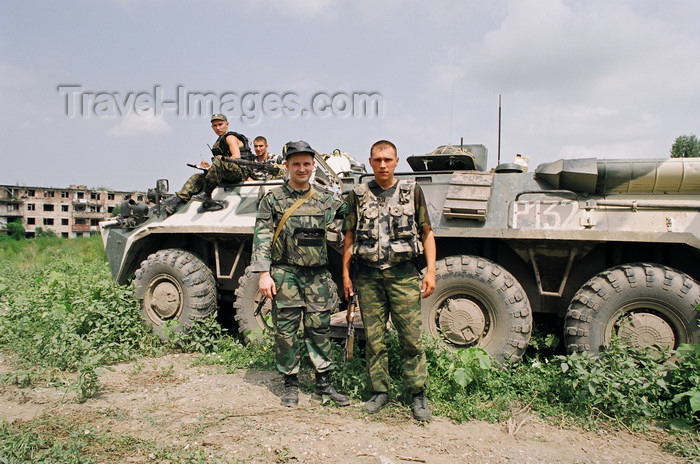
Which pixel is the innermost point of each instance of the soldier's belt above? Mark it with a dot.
(296, 269)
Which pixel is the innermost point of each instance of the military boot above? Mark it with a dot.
(377, 402)
(172, 204)
(290, 397)
(205, 194)
(205, 197)
(421, 410)
(323, 387)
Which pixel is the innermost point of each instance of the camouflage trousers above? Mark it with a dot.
(394, 292)
(303, 295)
(219, 171)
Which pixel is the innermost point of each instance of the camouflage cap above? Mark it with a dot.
(218, 117)
(292, 148)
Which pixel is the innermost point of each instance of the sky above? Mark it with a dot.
(118, 93)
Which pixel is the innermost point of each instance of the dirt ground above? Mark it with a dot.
(238, 418)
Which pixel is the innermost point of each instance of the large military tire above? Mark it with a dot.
(644, 304)
(478, 303)
(174, 285)
(248, 297)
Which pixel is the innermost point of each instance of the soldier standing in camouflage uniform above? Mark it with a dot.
(292, 265)
(386, 229)
(200, 186)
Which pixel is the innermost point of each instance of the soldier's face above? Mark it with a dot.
(383, 163)
(260, 148)
(300, 167)
(220, 127)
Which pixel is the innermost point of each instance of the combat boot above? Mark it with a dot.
(323, 387)
(290, 397)
(377, 402)
(421, 411)
(208, 204)
(172, 204)
(204, 195)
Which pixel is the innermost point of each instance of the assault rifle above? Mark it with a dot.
(254, 169)
(350, 339)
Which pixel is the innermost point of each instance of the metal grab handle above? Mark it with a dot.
(547, 192)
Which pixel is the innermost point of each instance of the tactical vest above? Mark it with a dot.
(386, 232)
(302, 241)
(221, 147)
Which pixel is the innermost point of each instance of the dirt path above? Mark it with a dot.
(237, 417)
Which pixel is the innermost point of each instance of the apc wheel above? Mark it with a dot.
(247, 299)
(478, 303)
(174, 285)
(644, 304)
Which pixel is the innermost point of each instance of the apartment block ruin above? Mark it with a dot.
(69, 212)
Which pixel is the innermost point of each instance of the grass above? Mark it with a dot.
(63, 321)
(53, 440)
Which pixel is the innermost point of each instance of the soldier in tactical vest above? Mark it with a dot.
(290, 254)
(199, 186)
(386, 229)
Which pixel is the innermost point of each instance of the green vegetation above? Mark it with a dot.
(15, 231)
(63, 321)
(50, 440)
(686, 146)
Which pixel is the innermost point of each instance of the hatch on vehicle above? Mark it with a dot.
(468, 196)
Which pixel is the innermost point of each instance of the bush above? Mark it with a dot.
(15, 230)
(60, 309)
(682, 403)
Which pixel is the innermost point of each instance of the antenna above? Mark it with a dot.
(499, 129)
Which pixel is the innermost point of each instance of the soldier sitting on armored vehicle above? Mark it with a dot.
(199, 186)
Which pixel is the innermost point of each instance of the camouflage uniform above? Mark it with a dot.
(387, 226)
(219, 171)
(297, 263)
(272, 160)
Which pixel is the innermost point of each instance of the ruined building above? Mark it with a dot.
(68, 212)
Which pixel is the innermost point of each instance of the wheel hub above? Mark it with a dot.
(462, 321)
(644, 330)
(166, 299)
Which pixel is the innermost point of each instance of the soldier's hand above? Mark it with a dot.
(347, 288)
(428, 284)
(204, 165)
(266, 285)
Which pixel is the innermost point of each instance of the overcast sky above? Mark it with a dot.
(96, 93)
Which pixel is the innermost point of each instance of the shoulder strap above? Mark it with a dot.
(289, 212)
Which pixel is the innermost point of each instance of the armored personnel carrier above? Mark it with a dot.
(602, 248)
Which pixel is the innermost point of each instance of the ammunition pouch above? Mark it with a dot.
(309, 237)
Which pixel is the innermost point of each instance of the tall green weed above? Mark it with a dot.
(60, 309)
